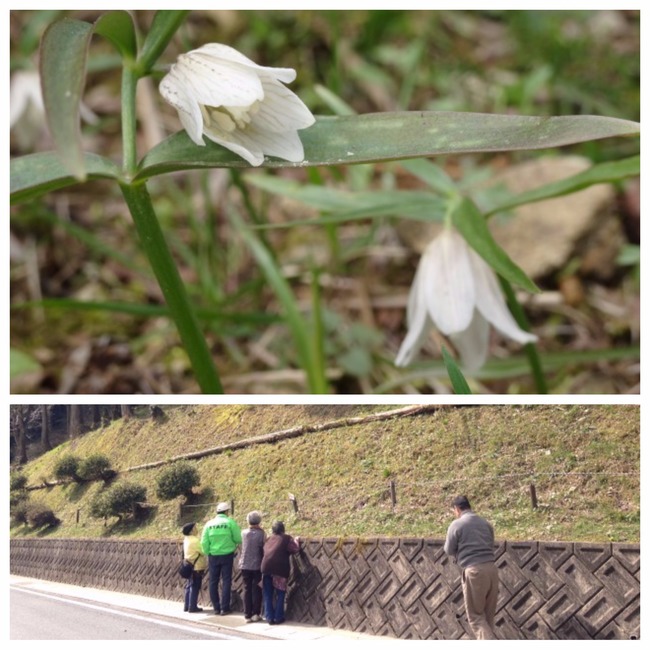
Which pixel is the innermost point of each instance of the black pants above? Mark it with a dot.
(252, 592)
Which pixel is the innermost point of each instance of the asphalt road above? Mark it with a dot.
(45, 616)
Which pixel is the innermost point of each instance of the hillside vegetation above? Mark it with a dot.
(582, 459)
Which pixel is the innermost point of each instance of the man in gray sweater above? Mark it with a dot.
(470, 540)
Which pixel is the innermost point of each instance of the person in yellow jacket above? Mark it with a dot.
(193, 553)
(220, 538)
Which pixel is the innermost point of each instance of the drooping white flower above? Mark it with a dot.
(457, 291)
(245, 107)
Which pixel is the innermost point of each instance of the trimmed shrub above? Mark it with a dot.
(18, 510)
(95, 467)
(67, 467)
(39, 515)
(119, 501)
(177, 480)
(17, 482)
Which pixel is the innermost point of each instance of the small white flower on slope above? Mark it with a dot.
(457, 291)
(236, 103)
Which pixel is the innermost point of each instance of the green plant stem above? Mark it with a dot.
(130, 154)
(530, 348)
(164, 267)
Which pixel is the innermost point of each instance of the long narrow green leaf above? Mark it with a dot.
(63, 72)
(39, 173)
(608, 172)
(458, 381)
(283, 291)
(394, 136)
(343, 205)
(472, 225)
(164, 26)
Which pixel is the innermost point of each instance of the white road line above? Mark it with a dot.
(137, 617)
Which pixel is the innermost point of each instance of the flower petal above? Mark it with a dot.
(214, 82)
(491, 303)
(175, 92)
(419, 324)
(238, 143)
(281, 110)
(227, 53)
(450, 286)
(472, 344)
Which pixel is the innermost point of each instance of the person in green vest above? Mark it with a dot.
(219, 540)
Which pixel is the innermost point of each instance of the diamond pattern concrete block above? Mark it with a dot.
(400, 566)
(379, 564)
(410, 547)
(411, 591)
(347, 586)
(330, 545)
(535, 628)
(505, 627)
(354, 613)
(397, 619)
(388, 545)
(629, 620)
(543, 576)
(375, 615)
(449, 571)
(367, 587)
(559, 609)
(579, 579)
(387, 590)
(629, 555)
(522, 552)
(592, 555)
(555, 553)
(525, 604)
(599, 611)
(340, 563)
(334, 612)
(435, 595)
(572, 630)
(616, 579)
(445, 620)
(612, 632)
(424, 564)
(421, 620)
(510, 574)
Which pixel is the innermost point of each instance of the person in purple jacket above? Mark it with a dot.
(470, 540)
(276, 568)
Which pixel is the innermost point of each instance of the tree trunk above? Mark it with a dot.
(22, 442)
(126, 411)
(45, 428)
(74, 421)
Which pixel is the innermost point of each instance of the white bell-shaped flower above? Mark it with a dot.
(455, 290)
(245, 107)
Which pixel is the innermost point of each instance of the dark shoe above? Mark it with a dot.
(271, 622)
(197, 609)
(225, 612)
(279, 622)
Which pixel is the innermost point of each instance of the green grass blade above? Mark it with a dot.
(608, 172)
(297, 324)
(458, 381)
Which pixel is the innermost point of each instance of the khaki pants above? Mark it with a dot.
(481, 591)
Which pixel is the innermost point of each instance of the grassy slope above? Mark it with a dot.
(341, 477)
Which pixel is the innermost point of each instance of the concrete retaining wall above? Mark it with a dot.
(399, 587)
